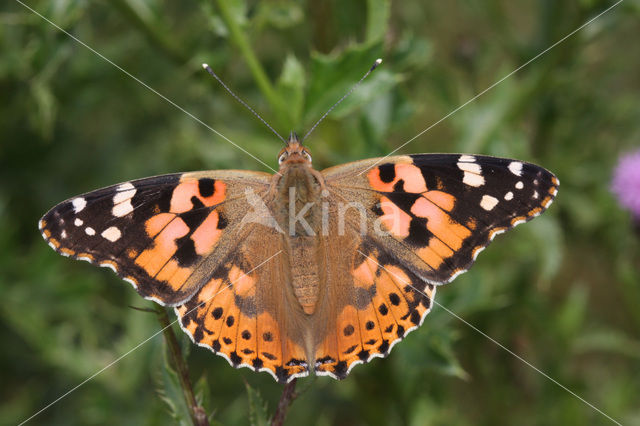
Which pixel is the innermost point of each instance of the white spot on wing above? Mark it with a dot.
(122, 209)
(63, 234)
(508, 196)
(78, 204)
(535, 195)
(488, 202)
(467, 158)
(472, 173)
(470, 167)
(124, 192)
(516, 168)
(112, 234)
(78, 222)
(519, 185)
(90, 231)
(472, 179)
(40, 224)
(518, 222)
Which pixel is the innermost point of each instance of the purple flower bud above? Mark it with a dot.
(626, 182)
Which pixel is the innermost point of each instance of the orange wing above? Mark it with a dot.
(243, 312)
(387, 302)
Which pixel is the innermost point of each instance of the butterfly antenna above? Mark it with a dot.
(373, 67)
(210, 71)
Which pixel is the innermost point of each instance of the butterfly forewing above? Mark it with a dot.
(438, 211)
(157, 233)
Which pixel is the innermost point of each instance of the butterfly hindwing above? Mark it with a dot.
(155, 233)
(439, 211)
(386, 302)
(242, 313)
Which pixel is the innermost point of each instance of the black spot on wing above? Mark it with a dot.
(282, 374)
(418, 233)
(186, 253)
(399, 186)
(404, 200)
(340, 369)
(230, 321)
(235, 358)
(222, 221)
(387, 172)
(193, 218)
(206, 187)
(257, 363)
(215, 345)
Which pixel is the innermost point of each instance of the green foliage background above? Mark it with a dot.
(563, 291)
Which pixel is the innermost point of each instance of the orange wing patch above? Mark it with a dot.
(209, 192)
(224, 317)
(398, 303)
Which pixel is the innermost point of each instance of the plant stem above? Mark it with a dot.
(287, 397)
(238, 37)
(198, 414)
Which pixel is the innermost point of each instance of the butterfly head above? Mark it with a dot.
(294, 153)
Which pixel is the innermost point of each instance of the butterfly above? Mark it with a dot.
(303, 270)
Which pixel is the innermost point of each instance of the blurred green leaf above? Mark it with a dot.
(202, 392)
(170, 391)
(378, 14)
(332, 76)
(281, 15)
(290, 87)
(571, 316)
(411, 52)
(608, 341)
(258, 415)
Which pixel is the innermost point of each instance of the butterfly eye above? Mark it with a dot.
(282, 157)
(307, 156)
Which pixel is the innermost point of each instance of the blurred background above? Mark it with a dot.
(563, 292)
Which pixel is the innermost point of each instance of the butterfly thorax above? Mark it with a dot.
(299, 190)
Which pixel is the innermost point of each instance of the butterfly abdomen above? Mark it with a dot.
(300, 218)
(305, 280)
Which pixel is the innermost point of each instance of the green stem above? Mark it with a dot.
(238, 37)
(198, 414)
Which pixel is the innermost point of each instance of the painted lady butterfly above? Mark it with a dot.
(302, 270)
